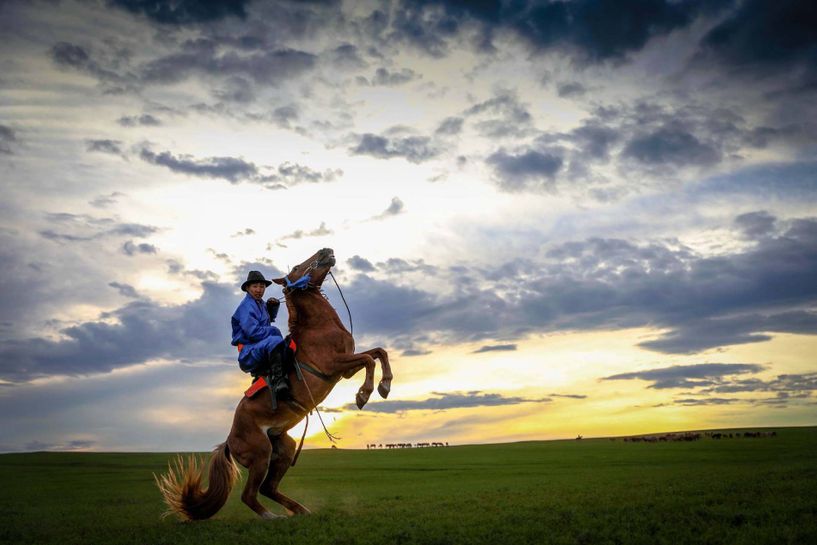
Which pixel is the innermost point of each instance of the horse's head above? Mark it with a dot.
(310, 273)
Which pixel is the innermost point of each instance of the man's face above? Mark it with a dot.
(256, 290)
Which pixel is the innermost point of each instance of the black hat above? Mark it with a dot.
(254, 277)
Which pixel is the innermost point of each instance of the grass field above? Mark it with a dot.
(585, 492)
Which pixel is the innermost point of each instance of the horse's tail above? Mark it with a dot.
(181, 485)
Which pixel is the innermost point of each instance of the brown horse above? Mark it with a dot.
(258, 438)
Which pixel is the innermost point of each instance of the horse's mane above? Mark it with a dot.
(295, 320)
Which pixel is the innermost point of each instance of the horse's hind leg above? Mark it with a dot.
(257, 461)
(285, 447)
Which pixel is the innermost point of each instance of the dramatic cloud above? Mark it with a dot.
(144, 120)
(79, 227)
(228, 168)
(180, 13)
(415, 149)
(701, 302)
(131, 248)
(383, 77)
(450, 126)
(501, 116)
(496, 348)
(321, 231)
(671, 145)
(526, 171)
(136, 333)
(126, 290)
(689, 376)
(587, 30)
(292, 174)
(766, 38)
(7, 139)
(267, 67)
(360, 264)
(443, 401)
(104, 146)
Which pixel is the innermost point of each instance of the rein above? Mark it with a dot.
(298, 366)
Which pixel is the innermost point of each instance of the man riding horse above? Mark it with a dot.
(260, 344)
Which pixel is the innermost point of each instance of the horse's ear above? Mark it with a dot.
(279, 281)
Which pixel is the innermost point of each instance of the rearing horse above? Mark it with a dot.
(258, 438)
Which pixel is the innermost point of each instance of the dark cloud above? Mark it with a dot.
(283, 116)
(450, 126)
(77, 444)
(415, 149)
(587, 30)
(755, 224)
(76, 57)
(689, 376)
(81, 227)
(291, 174)
(412, 352)
(569, 396)
(395, 207)
(500, 116)
(321, 231)
(131, 248)
(125, 290)
(529, 170)
(172, 12)
(245, 232)
(346, 57)
(495, 348)
(594, 140)
(203, 57)
(383, 77)
(698, 335)
(136, 333)
(689, 402)
(443, 401)
(104, 146)
(144, 120)
(7, 139)
(360, 264)
(570, 89)
(228, 168)
(671, 145)
(795, 385)
(103, 201)
(763, 38)
(699, 302)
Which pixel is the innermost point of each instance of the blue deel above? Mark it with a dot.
(251, 327)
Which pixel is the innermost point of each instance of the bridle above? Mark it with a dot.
(298, 285)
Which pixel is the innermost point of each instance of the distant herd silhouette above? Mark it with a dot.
(694, 436)
(370, 446)
(686, 436)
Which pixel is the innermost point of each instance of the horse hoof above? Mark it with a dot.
(361, 399)
(383, 389)
(269, 515)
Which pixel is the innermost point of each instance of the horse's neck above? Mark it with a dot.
(308, 310)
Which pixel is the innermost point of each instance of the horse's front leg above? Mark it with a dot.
(350, 364)
(385, 381)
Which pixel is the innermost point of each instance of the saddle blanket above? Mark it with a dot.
(256, 387)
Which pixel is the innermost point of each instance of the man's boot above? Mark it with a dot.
(278, 381)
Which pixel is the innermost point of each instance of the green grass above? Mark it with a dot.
(584, 492)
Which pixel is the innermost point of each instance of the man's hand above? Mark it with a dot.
(273, 305)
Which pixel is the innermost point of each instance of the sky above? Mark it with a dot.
(558, 217)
